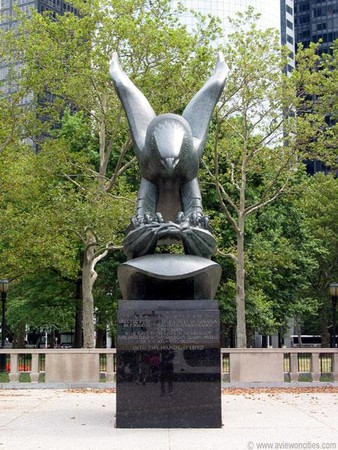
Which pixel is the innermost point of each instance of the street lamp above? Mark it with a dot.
(334, 295)
(3, 290)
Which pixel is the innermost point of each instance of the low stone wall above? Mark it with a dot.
(238, 365)
(263, 365)
(61, 365)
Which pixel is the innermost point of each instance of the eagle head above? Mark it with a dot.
(170, 140)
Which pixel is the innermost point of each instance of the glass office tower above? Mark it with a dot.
(316, 19)
(274, 14)
(7, 21)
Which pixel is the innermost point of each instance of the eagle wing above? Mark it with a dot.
(199, 111)
(138, 110)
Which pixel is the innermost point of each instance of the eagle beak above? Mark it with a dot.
(170, 164)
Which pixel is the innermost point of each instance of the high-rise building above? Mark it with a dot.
(7, 21)
(274, 14)
(314, 20)
(7, 9)
(10, 70)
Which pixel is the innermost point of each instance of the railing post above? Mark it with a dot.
(293, 367)
(334, 373)
(225, 366)
(110, 367)
(35, 368)
(315, 368)
(14, 373)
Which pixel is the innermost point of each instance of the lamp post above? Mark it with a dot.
(3, 290)
(334, 295)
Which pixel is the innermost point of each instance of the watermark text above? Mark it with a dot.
(284, 445)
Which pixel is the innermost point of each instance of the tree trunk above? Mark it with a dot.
(90, 259)
(100, 332)
(240, 292)
(99, 337)
(87, 298)
(19, 337)
(324, 325)
(78, 313)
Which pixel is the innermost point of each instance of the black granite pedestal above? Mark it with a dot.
(168, 350)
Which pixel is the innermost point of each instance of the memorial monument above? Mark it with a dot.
(168, 351)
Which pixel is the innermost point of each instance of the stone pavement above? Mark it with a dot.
(51, 419)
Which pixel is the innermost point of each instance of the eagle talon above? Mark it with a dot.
(159, 217)
(196, 219)
(181, 217)
(136, 221)
(148, 218)
(204, 222)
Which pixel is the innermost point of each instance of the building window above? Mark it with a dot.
(22, 2)
(304, 19)
(4, 16)
(4, 4)
(289, 39)
(289, 24)
(304, 34)
(3, 73)
(290, 68)
(317, 12)
(289, 10)
(304, 7)
(322, 26)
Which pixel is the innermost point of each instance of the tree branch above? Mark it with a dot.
(98, 258)
(259, 205)
(227, 255)
(74, 182)
(113, 179)
(126, 166)
(220, 190)
(233, 182)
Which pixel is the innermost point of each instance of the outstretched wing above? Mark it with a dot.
(199, 111)
(138, 110)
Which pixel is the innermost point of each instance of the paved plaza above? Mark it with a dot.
(84, 419)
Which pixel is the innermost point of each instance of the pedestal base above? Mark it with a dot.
(168, 364)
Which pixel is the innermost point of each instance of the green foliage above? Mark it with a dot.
(82, 181)
(44, 300)
(107, 291)
(37, 210)
(315, 84)
(78, 192)
(281, 261)
(318, 202)
(268, 122)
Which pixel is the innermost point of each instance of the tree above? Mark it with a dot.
(318, 201)
(34, 236)
(44, 300)
(11, 96)
(259, 140)
(65, 65)
(280, 264)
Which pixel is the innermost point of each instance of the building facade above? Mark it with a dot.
(7, 21)
(278, 14)
(7, 9)
(314, 20)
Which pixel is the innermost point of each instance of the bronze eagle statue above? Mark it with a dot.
(168, 148)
